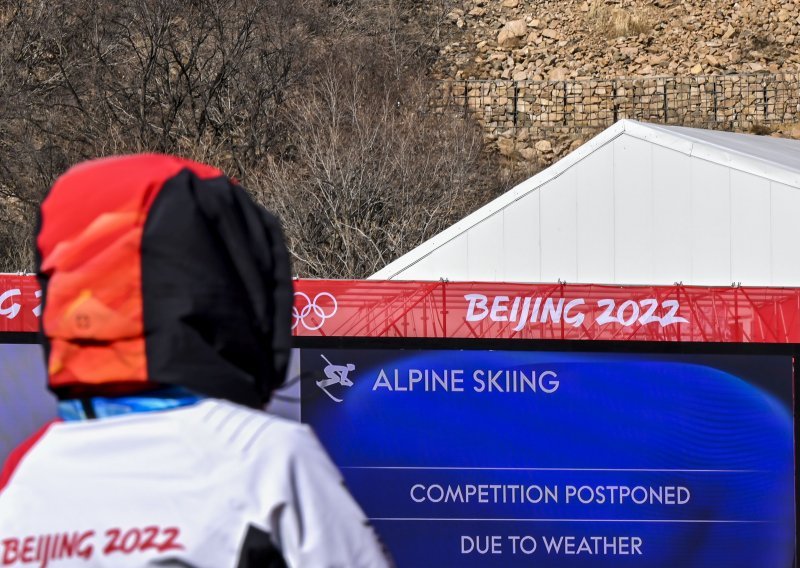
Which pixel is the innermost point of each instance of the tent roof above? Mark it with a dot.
(774, 159)
(777, 159)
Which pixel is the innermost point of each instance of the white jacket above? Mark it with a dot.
(210, 485)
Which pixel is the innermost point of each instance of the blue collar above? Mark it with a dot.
(103, 407)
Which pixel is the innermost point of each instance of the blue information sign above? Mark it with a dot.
(561, 459)
(25, 402)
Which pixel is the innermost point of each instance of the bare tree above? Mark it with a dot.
(369, 177)
(318, 106)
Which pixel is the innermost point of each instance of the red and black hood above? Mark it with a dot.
(155, 271)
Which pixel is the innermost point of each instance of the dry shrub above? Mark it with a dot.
(317, 106)
(621, 21)
(16, 235)
(760, 129)
(370, 176)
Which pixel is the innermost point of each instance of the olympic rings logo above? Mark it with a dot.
(313, 310)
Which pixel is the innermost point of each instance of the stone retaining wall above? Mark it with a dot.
(538, 110)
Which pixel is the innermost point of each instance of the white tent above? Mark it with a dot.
(638, 204)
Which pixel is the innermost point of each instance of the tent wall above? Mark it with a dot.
(628, 211)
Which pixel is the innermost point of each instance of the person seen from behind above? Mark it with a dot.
(166, 312)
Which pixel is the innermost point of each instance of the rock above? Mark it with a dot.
(658, 59)
(511, 33)
(528, 154)
(729, 32)
(510, 3)
(543, 146)
(575, 144)
(696, 70)
(534, 38)
(550, 34)
(477, 11)
(558, 74)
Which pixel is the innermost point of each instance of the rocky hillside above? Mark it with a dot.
(574, 39)
(574, 66)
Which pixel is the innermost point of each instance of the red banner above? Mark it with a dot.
(19, 303)
(546, 311)
(369, 308)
